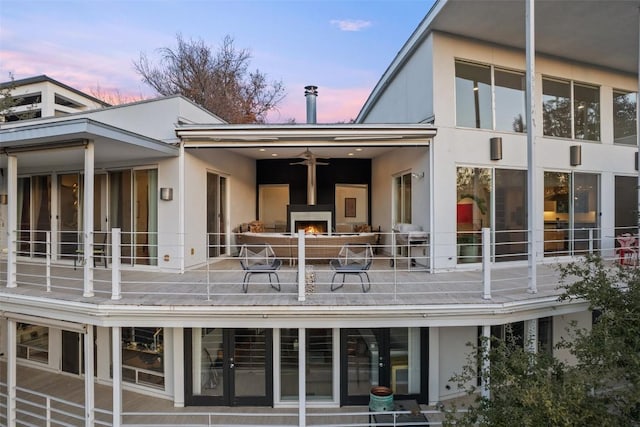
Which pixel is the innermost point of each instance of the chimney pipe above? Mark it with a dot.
(311, 93)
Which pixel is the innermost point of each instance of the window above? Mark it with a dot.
(570, 110)
(402, 199)
(624, 117)
(143, 357)
(33, 342)
(474, 97)
(626, 204)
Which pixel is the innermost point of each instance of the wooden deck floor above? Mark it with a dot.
(220, 283)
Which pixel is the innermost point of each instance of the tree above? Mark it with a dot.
(601, 388)
(220, 81)
(7, 101)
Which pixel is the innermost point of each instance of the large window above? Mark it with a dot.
(626, 204)
(474, 97)
(33, 342)
(143, 356)
(570, 110)
(571, 212)
(624, 117)
(402, 199)
(494, 198)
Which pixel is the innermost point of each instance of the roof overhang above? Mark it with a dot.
(41, 145)
(601, 33)
(353, 135)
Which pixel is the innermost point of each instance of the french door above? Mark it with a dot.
(390, 357)
(229, 367)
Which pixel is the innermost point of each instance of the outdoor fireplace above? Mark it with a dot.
(314, 219)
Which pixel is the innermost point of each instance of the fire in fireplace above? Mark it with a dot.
(311, 227)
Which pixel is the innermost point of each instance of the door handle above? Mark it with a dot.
(232, 365)
(381, 365)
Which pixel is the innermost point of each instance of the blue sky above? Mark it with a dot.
(343, 47)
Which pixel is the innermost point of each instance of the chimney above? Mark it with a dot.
(311, 93)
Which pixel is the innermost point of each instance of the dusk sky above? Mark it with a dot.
(343, 47)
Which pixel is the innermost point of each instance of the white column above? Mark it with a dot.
(531, 146)
(116, 275)
(116, 361)
(55, 225)
(87, 232)
(434, 365)
(89, 392)
(486, 334)
(486, 263)
(302, 288)
(12, 219)
(178, 367)
(181, 199)
(11, 372)
(302, 377)
(638, 125)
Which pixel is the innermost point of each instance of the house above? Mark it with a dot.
(42, 96)
(123, 224)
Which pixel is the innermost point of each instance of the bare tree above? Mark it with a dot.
(220, 82)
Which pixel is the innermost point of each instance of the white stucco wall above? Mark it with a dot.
(562, 326)
(384, 168)
(453, 357)
(409, 96)
(241, 180)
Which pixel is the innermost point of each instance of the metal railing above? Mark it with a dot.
(397, 274)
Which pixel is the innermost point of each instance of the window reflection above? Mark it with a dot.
(586, 112)
(624, 117)
(32, 342)
(473, 95)
(556, 108)
(510, 101)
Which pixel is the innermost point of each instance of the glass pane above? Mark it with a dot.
(70, 209)
(473, 95)
(213, 214)
(406, 199)
(250, 362)
(624, 117)
(223, 215)
(146, 216)
(556, 213)
(120, 209)
(32, 342)
(207, 351)
(510, 101)
(585, 211)
(363, 354)
(319, 364)
(511, 214)
(24, 216)
(626, 204)
(586, 112)
(142, 356)
(404, 348)
(473, 210)
(41, 212)
(556, 108)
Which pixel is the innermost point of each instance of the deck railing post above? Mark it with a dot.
(486, 263)
(301, 267)
(48, 258)
(48, 412)
(116, 248)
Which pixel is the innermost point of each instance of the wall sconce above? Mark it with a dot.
(636, 160)
(417, 175)
(575, 155)
(166, 193)
(4, 199)
(495, 148)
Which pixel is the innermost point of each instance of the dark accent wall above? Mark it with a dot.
(339, 171)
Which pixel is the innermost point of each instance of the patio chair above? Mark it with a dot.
(628, 250)
(353, 259)
(259, 259)
(98, 252)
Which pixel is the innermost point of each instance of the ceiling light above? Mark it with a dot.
(263, 149)
(358, 149)
(274, 154)
(350, 154)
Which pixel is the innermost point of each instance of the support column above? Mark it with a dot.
(486, 334)
(11, 372)
(302, 377)
(89, 392)
(116, 361)
(434, 365)
(181, 197)
(638, 127)
(87, 232)
(531, 146)
(178, 367)
(12, 220)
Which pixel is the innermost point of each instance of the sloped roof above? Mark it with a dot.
(603, 33)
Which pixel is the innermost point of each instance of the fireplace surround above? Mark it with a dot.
(302, 216)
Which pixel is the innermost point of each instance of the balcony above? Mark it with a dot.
(305, 275)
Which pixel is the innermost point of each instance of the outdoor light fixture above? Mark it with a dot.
(496, 148)
(575, 155)
(4, 199)
(636, 160)
(417, 175)
(166, 194)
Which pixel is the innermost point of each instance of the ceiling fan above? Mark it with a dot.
(309, 159)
